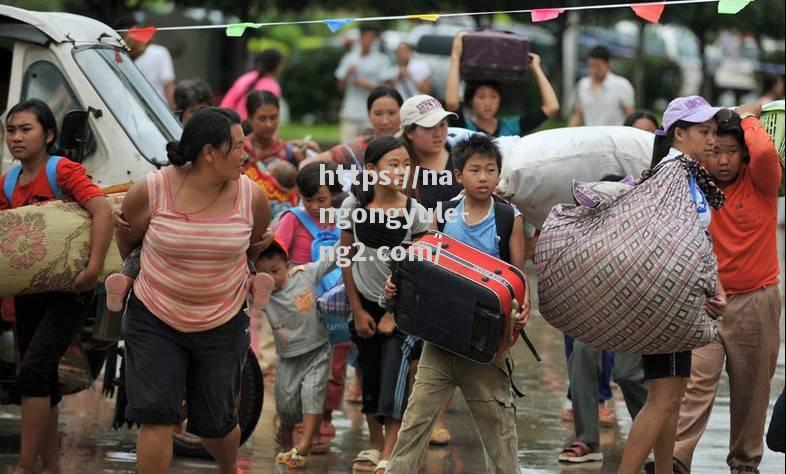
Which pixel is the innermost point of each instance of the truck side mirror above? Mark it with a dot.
(76, 141)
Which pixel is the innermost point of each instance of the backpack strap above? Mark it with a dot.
(12, 178)
(306, 220)
(504, 216)
(51, 175)
(445, 206)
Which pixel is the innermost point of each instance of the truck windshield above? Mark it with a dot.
(143, 114)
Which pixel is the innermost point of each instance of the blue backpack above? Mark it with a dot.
(337, 326)
(12, 178)
(322, 238)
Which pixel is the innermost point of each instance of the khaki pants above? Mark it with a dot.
(750, 341)
(487, 390)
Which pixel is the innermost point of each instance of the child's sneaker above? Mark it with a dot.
(262, 286)
(117, 286)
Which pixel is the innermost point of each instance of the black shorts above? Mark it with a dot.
(46, 325)
(164, 367)
(384, 366)
(658, 366)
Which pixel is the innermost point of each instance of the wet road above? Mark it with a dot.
(91, 446)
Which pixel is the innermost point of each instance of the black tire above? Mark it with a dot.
(252, 395)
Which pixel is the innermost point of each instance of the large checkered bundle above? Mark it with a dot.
(43, 247)
(633, 273)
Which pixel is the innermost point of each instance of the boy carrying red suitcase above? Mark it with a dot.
(486, 387)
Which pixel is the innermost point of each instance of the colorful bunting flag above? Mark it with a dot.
(425, 17)
(732, 7)
(337, 23)
(546, 14)
(650, 12)
(142, 35)
(236, 30)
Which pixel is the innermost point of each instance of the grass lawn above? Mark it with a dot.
(324, 134)
(329, 134)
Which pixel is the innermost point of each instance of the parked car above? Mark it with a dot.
(736, 61)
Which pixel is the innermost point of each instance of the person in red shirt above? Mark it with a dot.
(745, 164)
(47, 323)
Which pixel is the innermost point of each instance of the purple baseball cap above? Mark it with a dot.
(694, 109)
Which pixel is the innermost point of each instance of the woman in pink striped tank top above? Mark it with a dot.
(186, 333)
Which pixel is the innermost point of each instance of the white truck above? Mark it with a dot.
(115, 124)
(104, 106)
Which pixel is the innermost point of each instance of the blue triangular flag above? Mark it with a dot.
(337, 23)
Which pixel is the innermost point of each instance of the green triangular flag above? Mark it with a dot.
(732, 7)
(236, 30)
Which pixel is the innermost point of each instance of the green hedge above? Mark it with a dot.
(309, 84)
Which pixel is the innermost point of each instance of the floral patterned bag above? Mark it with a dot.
(43, 247)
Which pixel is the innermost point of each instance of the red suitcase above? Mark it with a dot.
(457, 297)
(494, 55)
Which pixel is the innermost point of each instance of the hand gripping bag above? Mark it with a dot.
(631, 274)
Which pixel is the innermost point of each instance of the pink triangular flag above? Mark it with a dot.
(650, 12)
(143, 35)
(545, 14)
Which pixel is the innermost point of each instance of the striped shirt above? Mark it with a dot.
(194, 274)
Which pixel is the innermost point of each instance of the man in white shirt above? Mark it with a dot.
(602, 98)
(360, 71)
(409, 76)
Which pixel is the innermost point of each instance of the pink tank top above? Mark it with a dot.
(194, 274)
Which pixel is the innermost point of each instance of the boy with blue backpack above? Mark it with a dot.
(304, 235)
(494, 227)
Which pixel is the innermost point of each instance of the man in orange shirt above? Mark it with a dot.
(745, 165)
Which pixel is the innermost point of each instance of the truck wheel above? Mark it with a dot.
(249, 409)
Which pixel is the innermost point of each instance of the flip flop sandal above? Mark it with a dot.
(117, 286)
(579, 452)
(291, 459)
(366, 461)
(382, 466)
(261, 288)
(440, 437)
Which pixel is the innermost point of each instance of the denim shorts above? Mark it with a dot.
(165, 367)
